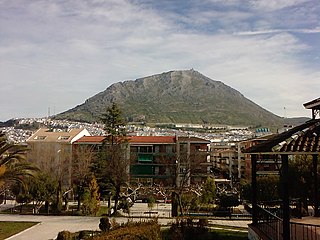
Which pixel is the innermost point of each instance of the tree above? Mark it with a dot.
(228, 201)
(112, 166)
(301, 180)
(83, 159)
(268, 188)
(114, 124)
(54, 159)
(13, 164)
(151, 202)
(245, 190)
(42, 189)
(91, 197)
(208, 193)
(187, 165)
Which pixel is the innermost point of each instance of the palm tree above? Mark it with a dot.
(13, 164)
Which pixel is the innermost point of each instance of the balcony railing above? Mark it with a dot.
(272, 227)
(304, 231)
(269, 224)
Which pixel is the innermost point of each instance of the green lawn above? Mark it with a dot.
(214, 232)
(220, 234)
(8, 229)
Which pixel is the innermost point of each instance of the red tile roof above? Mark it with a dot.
(193, 140)
(91, 139)
(152, 139)
(131, 139)
(302, 139)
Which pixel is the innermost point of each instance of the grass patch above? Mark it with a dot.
(228, 227)
(8, 229)
(221, 234)
(216, 234)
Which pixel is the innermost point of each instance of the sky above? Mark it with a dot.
(55, 54)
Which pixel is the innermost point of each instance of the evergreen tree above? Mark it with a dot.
(112, 166)
(209, 191)
(91, 197)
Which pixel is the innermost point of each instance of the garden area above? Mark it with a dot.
(8, 229)
(183, 229)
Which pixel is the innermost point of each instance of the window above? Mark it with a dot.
(64, 137)
(145, 158)
(40, 137)
(157, 149)
(146, 149)
(169, 149)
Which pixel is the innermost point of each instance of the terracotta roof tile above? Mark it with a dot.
(300, 139)
(152, 139)
(91, 139)
(193, 139)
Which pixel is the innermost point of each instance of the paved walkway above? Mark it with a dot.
(50, 226)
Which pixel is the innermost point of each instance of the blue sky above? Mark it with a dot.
(58, 53)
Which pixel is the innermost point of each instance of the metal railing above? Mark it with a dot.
(304, 231)
(269, 224)
(272, 227)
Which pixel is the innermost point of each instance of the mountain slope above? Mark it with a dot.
(176, 97)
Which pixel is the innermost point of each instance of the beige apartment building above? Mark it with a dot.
(51, 151)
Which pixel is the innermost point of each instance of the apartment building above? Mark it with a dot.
(268, 165)
(193, 162)
(51, 151)
(168, 160)
(228, 161)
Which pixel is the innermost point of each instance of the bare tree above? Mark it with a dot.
(188, 168)
(83, 157)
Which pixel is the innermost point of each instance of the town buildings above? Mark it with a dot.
(165, 160)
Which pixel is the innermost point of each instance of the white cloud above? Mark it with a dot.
(60, 53)
(274, 4)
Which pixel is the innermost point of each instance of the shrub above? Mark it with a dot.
(187, 230)
(133, 231)
(104, 224)
(64, 235)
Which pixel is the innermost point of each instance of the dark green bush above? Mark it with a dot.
(187, 229)
(104, 224)
(64, 235)
(133, 231)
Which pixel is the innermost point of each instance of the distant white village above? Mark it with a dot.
(216, 133)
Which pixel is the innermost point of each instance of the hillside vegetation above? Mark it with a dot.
(175, 97)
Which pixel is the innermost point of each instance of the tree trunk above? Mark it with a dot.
(180, 204)
(79, 202)
(66, 203)
(46, 206)
(116, 199)
(59, 198)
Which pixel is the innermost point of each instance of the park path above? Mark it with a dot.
(50, 226)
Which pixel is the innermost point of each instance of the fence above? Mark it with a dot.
(272, 227)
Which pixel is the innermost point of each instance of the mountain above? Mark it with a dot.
(176, 97)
